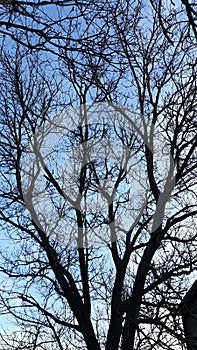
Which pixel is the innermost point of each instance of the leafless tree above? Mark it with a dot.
(187, 15)
(122, 180)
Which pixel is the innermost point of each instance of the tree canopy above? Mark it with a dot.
(98, 172)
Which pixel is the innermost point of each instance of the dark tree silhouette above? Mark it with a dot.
(98, 226)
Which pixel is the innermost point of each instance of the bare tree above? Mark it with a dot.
(103, 217)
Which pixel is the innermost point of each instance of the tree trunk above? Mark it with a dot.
(129, 333)
(113, 337)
